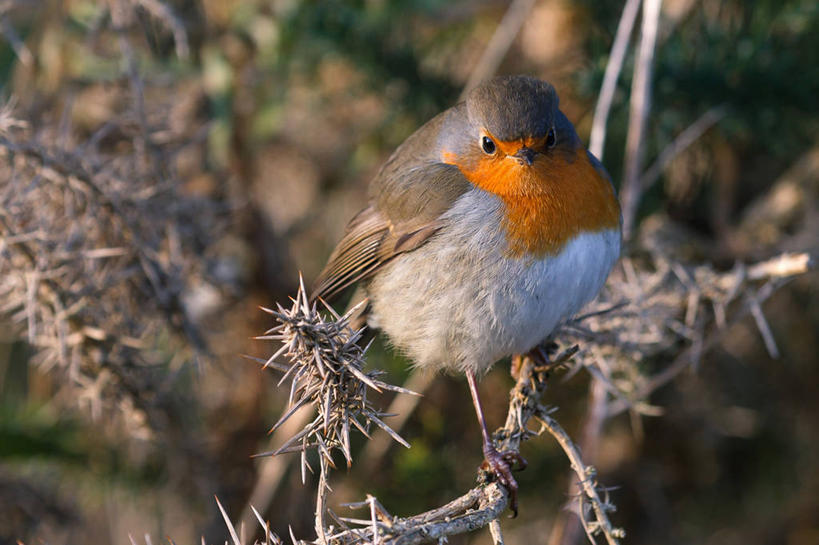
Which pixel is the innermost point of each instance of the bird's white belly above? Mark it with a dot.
(458, 302)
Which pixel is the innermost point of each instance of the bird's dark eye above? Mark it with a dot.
(487, 145)
(551, 139)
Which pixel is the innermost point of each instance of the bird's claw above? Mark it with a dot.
(540, 355)
(501, 465)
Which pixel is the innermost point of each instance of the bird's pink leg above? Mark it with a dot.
(499, 463)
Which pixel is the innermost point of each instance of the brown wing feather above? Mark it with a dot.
(369, 242)
(356, 255)
(407, 198)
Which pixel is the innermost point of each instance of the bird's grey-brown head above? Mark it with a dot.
(510, 116)
(513, 107)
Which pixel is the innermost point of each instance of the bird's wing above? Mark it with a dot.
(369, 242)
(356, 256)
(373, 237)
(407, 199)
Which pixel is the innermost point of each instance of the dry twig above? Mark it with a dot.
(663, 309)
(597, 139)
(100, 277)
(638, 115)
(325, 372)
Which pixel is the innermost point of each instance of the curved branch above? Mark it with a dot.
(483, 505)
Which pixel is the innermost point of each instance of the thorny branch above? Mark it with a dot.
(638, 318)
(655, 309)
(115, 246)
(659, 308)
(326, 373)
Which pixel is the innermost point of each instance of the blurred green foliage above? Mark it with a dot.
(760, 59)
(366, 33)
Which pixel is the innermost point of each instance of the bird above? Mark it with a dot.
(484, 229)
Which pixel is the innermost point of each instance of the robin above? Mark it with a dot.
(485, 228)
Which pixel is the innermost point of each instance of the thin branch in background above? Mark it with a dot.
(122, 17)
(651, 327)
(499, 44)
(8, 121)
(587, 480)
(271, 470)
(782, 266)
(597, 140)
(764, 329)
(20, 48)
(640, 107)
(683, 140)
(402, 407)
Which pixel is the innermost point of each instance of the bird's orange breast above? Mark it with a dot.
(547, 203)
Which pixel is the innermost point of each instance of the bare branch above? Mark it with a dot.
(638, 115)
(649, 327)
(764, 328)
(403, 407)
(782, 266)
(272, 470)
(597, 139)
(495, 531)
(683, 140)
(587, 481)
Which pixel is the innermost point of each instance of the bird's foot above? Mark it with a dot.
(540, 355)
(517, 364)
(500, 465)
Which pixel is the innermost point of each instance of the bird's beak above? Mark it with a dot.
(526, 155)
